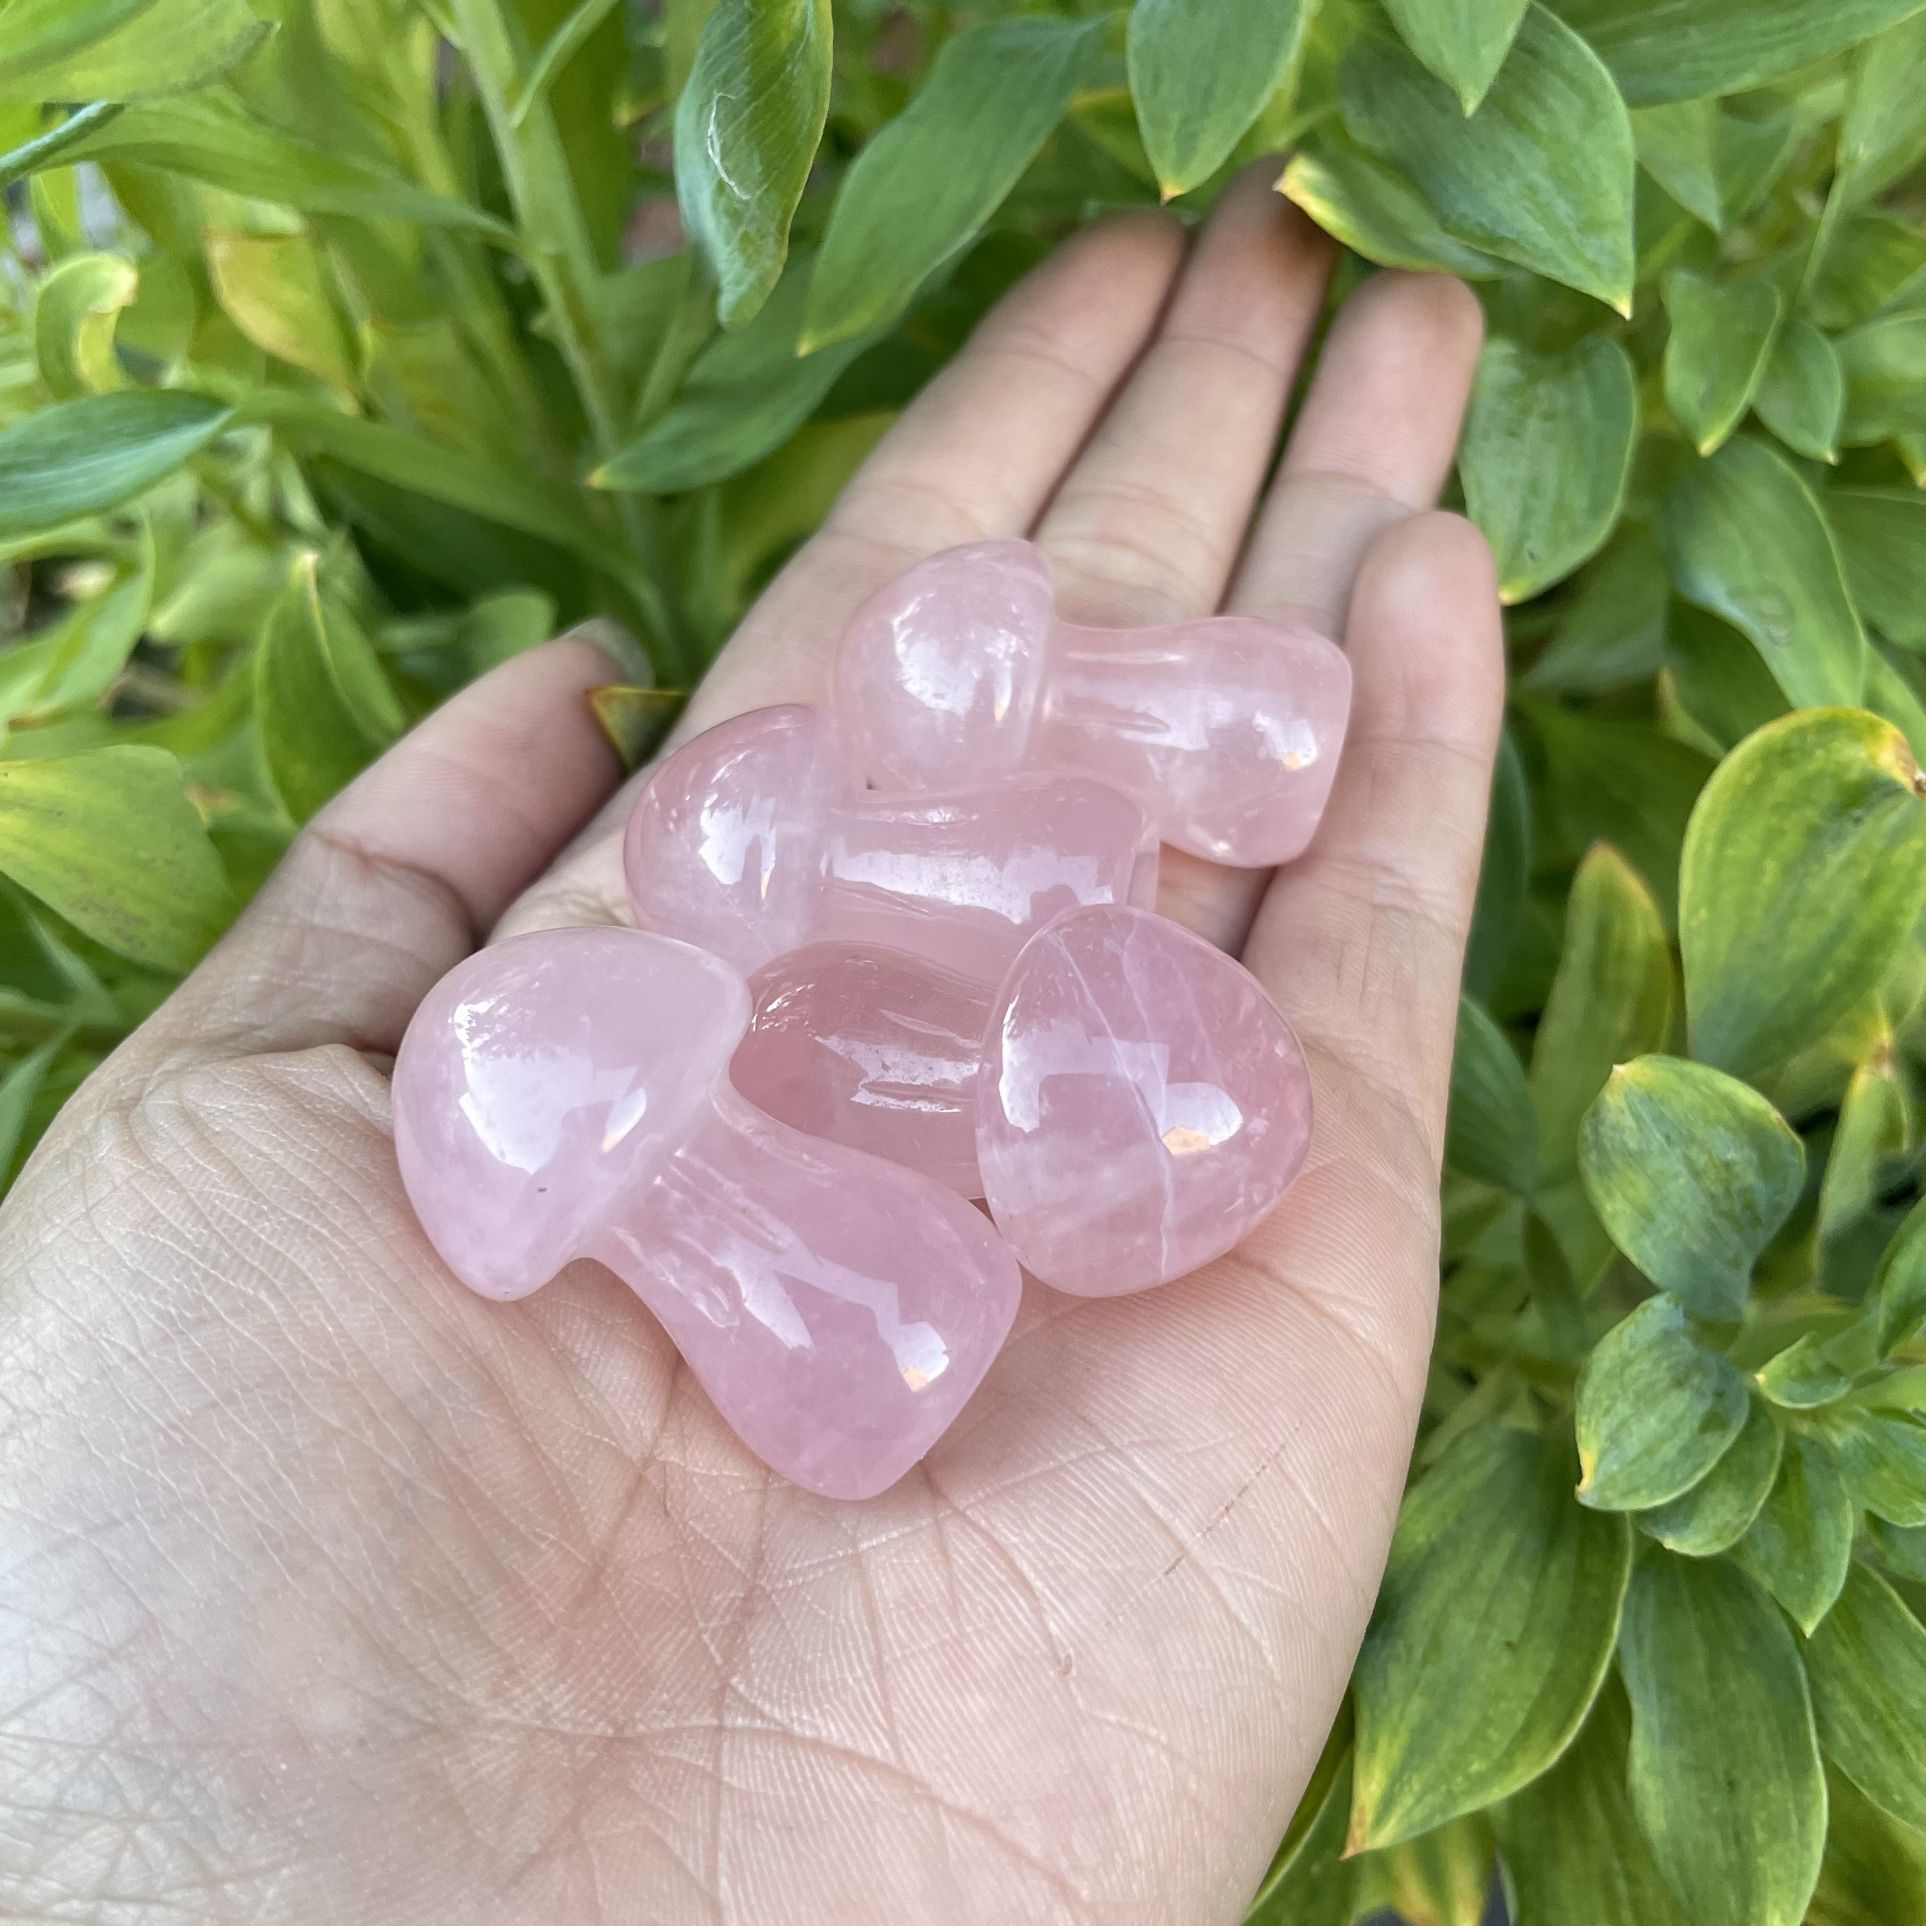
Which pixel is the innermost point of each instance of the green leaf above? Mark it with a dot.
(1898, 1296)
(74, 661)
(1722, 332)
(322, 704)
(746, 129)
(59, 50)
(1724, 1770)
(1804, 872)
(1678, 145)
(1882, 1456)
(575, 32)
(1463, 42)
(1883, 132)
(82, 456)
(275, 290)
(1902, 1547)
(1495, 1625)
(1310, 1882)
(1745, 538)
(1881, 534)
(215, 138)
(1611, 628)
(924, 185)
(1867, 1665)
(1801, 396)
(1374, 211)
(1491, 1134)
(747, 393)
(1875, 1871)
(1200, 73)
(1656, 1410)
(1611, 999)
(1884, 363)
(108, 840)
(19, 1085)
(1540, 175)
(1571, 1843)
(1870, 1148)
(1503, 877)
(1800, 1544)
(1684, 49)
(1868, 260)
(75, 312)
(1718, 1511)
(1547, 449)
(1692, 1173)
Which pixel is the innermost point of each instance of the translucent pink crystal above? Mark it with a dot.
(754, 839)
(1141, 1107)
(1130, 1100)
(566, 1095)
(1226, 730)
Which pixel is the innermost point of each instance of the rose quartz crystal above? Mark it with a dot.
(566, 1095)
(753, 840)
(1226, 730)
(1130, 1100)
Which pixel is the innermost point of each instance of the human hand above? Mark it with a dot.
(330, 1593)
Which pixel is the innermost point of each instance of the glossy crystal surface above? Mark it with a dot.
(566, 1095)
(1226, 730)
(754, 840)
(1142, 1104)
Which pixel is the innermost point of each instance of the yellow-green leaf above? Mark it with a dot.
(1722, 333)
(1692, 1173)
(75, 312)
(1611, 999)
(126, 50)
(1875, 1871)
(1804, 872)
(1656, 1410)
(1744, 538)
(1724, 1768)
(746, 129)
(1547, 449)
(275, 290)
(1718, 1511)
(1867, 1664)
(81, 456)
(1800, 1544)
(1495, 1625)
(108, 840)
(1201, 71)
(924, 184)
(1541, 174)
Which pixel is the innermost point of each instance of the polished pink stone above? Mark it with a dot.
(566, 1095)
(754, 839)
(1226, 729)
(1130, 1100)
(1141, 1107)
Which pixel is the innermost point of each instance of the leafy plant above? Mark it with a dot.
(348, 346)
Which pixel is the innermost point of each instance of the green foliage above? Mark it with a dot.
(348, 346)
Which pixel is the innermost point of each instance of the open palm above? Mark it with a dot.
(330, 1593)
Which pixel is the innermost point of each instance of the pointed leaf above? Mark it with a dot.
(1802, 394)
(75, 312)
(1722, 332)
(1745, 538)
(1881, 534)
(1882, 1456)
(1685, 49)
(1496, 1623)
(108, 840)
(1611, 999)
(1800, 1544)
(1547, 449)
(924, 185)
(1724, 1768)
(1692, 1173)
(1718, 1511)
(1201, 72)
(1656, 1410)
(1678, 145)
(81, 456)
(1463, 42)
(1310, 1882)
(1816, 811)
(1540, 175)
(1491, 1133)
(1867, 1664)
(746, 129)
